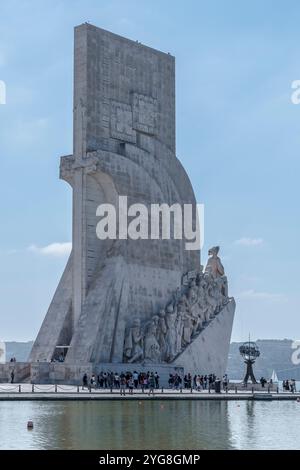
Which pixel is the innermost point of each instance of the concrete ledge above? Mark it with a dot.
(43, 393)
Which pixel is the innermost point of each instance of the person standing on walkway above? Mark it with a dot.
(12, 377)
(131, 385)
(145, 382)
(117, 380)
(93, 381)
(105, 379)
(122, 385)
(156, 377)
(84, 381)
(151, 384)
(135, 379)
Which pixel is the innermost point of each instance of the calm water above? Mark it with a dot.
(150, 425)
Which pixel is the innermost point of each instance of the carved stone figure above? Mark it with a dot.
(179, 327)
(216, 269)
(152, 349)
(171, 336)
(201, 296)
(193, 307)
(210, 296)
(162, 331)
(187, 329)
(133, 346)
(214, 265)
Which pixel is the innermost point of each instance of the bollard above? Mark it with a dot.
(181, 390)
(77, 388)
(277, 389)
(110, 389)
(20, 388)
(226, 389)
(162, 389)
(191, 389)
(235, 389)
(32, 388)
(209, 389)
(252, 390)
(268, 388)
(90, 389)
(55, 388)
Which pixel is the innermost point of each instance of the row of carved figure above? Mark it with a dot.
(170, 331)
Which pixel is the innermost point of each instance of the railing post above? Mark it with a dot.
(209, 389)
(277, 389)
(268, 388)
(20, 388)
(252, 390)
(235, 389)
(90, 389)
(32, 388)
(162, 389)
(77, 388)
(191, 389)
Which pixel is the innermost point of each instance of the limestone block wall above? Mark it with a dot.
(21, 370)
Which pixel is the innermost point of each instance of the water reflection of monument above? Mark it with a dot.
(137, 425)
(125, 301)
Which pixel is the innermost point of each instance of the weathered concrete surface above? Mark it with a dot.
(21, 371)
(71, 374)
(209, 352)
(74, 393)
(56, 328)
(124, 144)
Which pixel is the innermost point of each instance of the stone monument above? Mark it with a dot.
(127, 302)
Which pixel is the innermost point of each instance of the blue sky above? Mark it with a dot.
(238, 136)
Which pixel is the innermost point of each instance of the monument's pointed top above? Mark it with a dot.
(91, 27)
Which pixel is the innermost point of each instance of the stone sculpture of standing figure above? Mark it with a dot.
(216, 269)
(171, 335)
(161, 332)
(152, 349)
(134, 343)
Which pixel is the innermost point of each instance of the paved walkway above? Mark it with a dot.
(70, 392)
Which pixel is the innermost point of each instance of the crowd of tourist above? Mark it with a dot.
(289, 385)
(150, 381)
(122, 381)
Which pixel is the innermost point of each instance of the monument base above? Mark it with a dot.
(70, 374)
(207, 354)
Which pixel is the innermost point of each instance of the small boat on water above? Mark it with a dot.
(274, 377)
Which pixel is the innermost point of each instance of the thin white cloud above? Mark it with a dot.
(252, 294)
(247, 241)
(54, 249)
